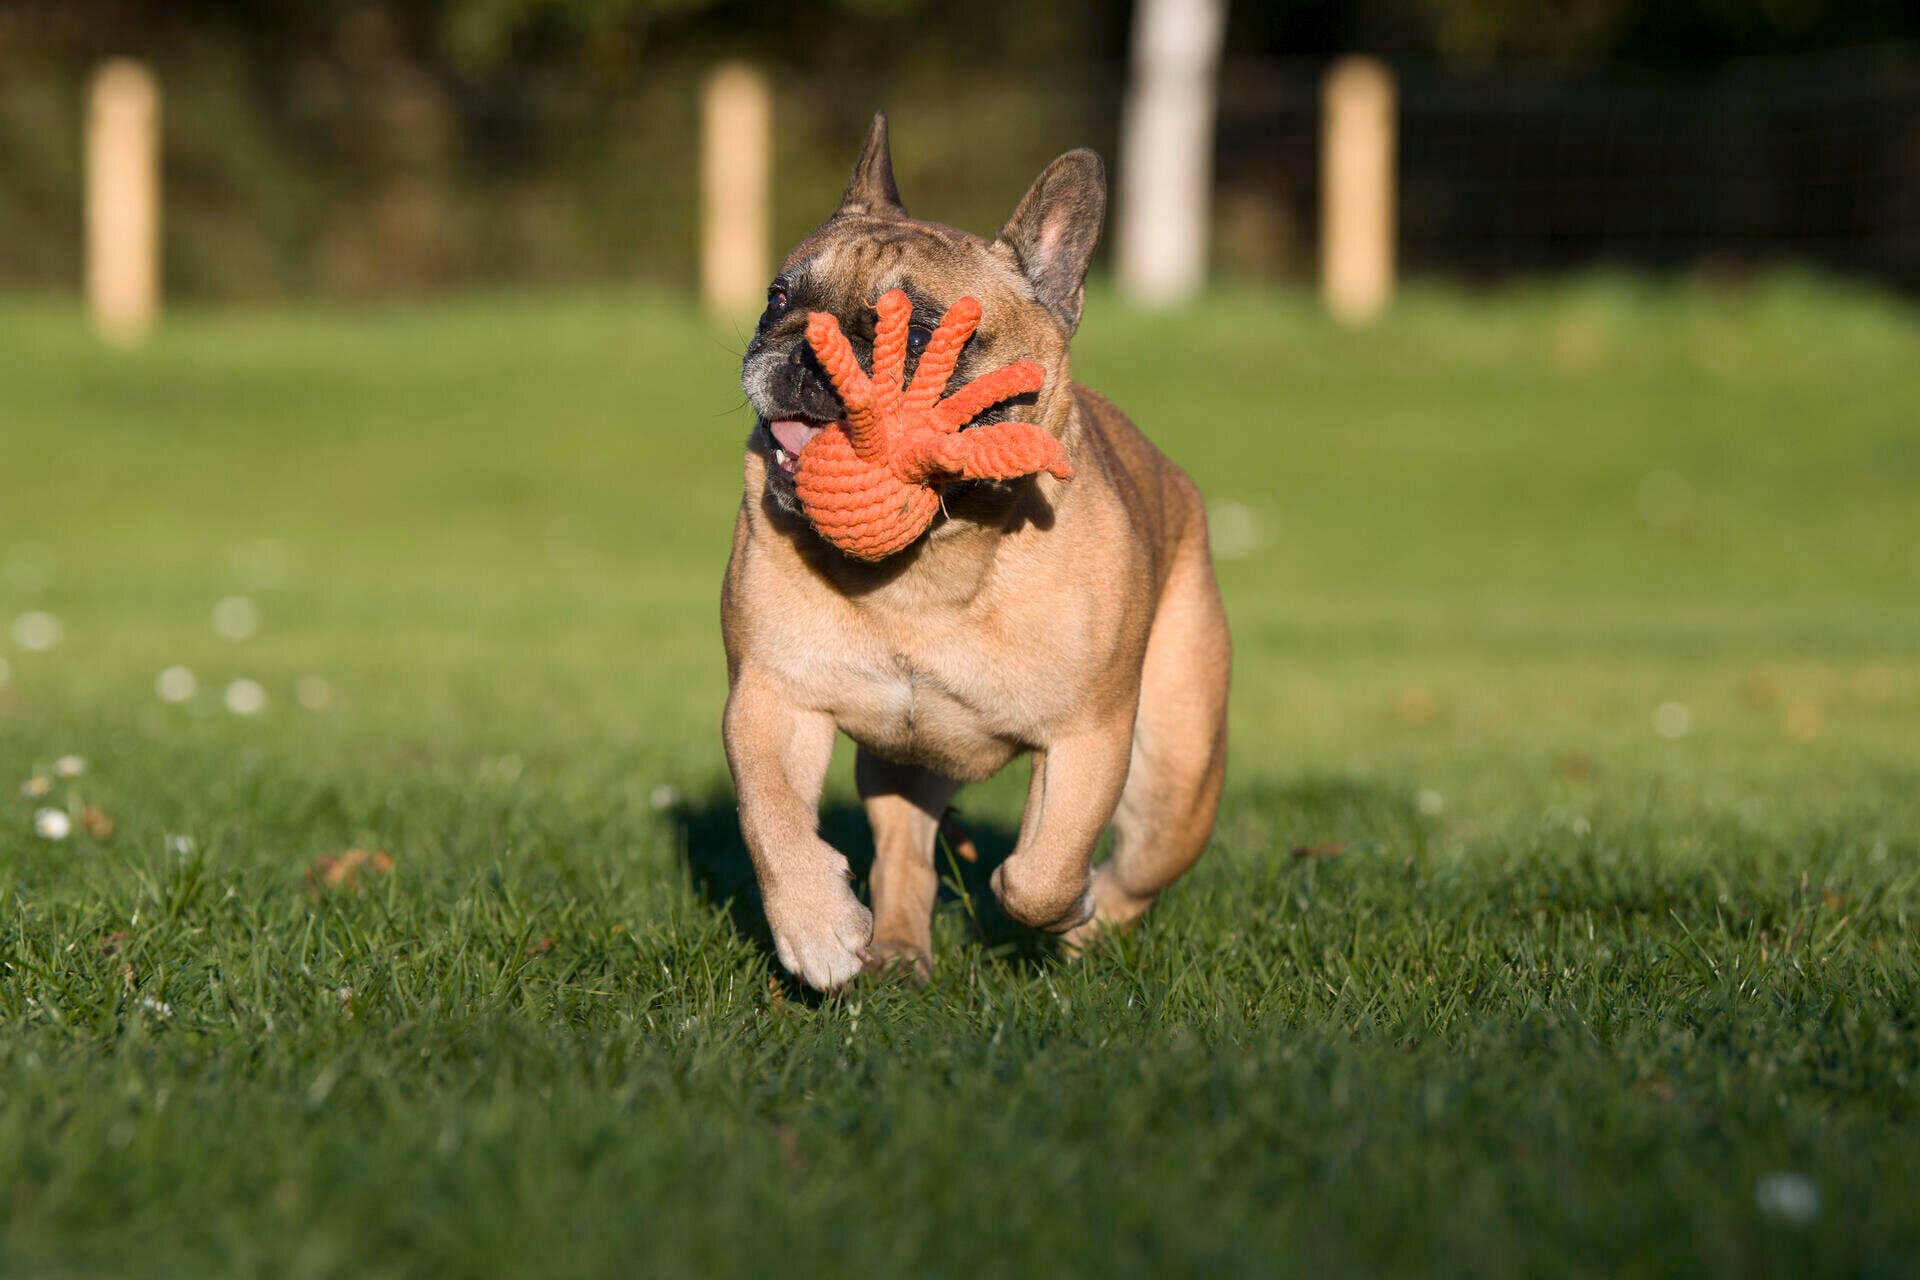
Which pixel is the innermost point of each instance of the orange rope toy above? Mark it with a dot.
(869, 482)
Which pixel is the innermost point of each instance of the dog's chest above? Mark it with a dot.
(930, 694)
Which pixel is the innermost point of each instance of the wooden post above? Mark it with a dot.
(123, 202)
(1357, 189)
(736, 159)
(1166, 149)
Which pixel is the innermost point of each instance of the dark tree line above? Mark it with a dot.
(615, 38)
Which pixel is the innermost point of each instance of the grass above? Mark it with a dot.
(1572, 996)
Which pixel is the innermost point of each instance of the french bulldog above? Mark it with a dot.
(1075, 622)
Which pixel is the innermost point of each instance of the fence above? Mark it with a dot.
(1810, 160)
(356, 182)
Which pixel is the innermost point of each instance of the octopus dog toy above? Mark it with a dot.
(870, 483)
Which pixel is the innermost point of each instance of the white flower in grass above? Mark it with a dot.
(246, 697)
(37, 632)
(70, 766)
(1673, 720)
(236, 618)
(180, 846)
(176, 684)
(1430, 802)
(36, 786)
(52, 824)
(663, 797)
(314, 693)
(159, 1008)
(1788, 1197)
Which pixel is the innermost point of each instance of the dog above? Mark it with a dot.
(1077, 622)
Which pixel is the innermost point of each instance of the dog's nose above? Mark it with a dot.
(806, 365)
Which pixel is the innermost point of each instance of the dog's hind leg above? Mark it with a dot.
(904, 805)
(1179, 759)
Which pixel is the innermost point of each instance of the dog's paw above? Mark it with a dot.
(900, 960)
(1041, 902)
(821, 935)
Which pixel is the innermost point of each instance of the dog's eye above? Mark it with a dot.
(918, 335)
(776, 305)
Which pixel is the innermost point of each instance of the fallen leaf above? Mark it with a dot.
(1329, 849)
(96, 822)
(957, 837)
(1574, 766)
(540, 947)
(1416, 705)
(1804, 720)
(1762, 689)
(111, 944)
(343, 870)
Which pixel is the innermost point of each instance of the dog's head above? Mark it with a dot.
(1028, 279)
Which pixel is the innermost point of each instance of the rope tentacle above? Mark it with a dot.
(890, 351)
(836, 356)
(989, 389)
(942, 354)
(869, 483)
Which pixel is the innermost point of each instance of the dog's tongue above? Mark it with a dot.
(794, 434)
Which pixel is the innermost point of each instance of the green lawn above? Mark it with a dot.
(1584, 619)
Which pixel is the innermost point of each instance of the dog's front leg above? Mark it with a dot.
(1076, 787)
(779, 755)
(904, 805)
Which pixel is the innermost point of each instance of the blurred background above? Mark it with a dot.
(352, 151)
(1562, 346)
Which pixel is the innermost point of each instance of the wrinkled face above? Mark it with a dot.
(1027, 281)
(842, 269)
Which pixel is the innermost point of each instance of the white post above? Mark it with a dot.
(736, 159)
(123, 201)
(1166, 148)
(1357, 189)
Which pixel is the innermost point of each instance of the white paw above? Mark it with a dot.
(821, 937)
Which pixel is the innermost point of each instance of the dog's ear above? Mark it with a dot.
(1053, 232)
(870, 190)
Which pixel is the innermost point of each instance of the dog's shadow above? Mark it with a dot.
(708, 833)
